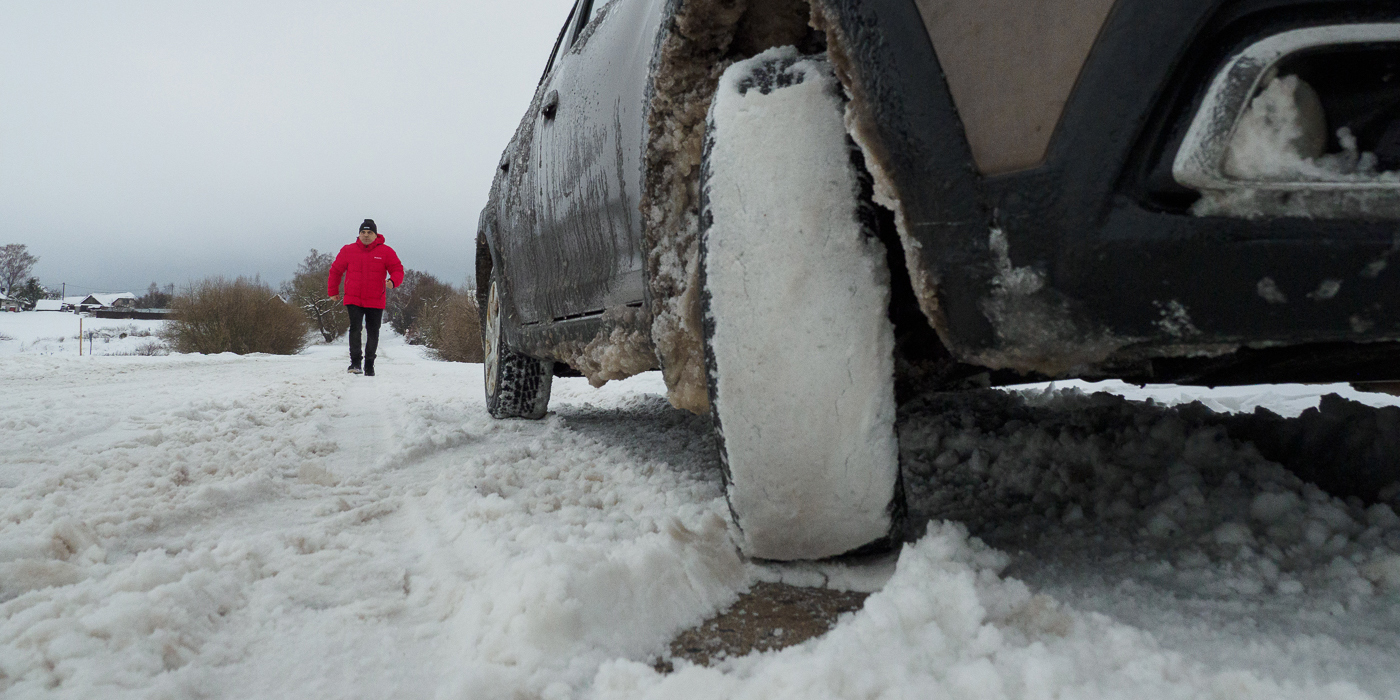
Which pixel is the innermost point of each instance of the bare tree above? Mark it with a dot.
(307, 291)
(15, 264)
(451, 326)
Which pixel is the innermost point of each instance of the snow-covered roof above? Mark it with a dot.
(100, 299)
(111, 298)
(48, 305)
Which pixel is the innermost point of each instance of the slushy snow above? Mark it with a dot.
(264, 527)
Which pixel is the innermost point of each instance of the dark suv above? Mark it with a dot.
(804, 212)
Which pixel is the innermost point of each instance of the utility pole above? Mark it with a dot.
(80, 336)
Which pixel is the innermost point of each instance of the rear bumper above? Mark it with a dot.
(1089, 264)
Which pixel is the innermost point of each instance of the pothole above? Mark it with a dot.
(770, 616)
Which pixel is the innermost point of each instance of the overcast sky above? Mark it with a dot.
(167, 140)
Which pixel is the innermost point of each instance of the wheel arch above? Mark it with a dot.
(487, 261)
(704, 36)
(880, 50)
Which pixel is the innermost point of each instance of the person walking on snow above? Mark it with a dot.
(364, 265)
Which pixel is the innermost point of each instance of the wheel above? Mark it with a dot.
(795, 295)
(517, 386)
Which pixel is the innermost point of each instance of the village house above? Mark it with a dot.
(95, 302)
(123, 300)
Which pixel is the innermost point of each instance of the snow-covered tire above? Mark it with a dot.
(799, 347)
(517, 386)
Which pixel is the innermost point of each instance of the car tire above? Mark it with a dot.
(517, 386)
(799, 348)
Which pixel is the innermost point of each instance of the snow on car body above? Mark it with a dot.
(1026, 154)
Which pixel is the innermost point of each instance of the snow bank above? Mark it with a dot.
(557, 556)
(1224, 575)
(1286, 400)
(1120, 507)
(949, 625)
(1050, 461)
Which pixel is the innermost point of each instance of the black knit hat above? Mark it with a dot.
(369, 224)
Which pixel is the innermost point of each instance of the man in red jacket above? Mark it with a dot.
(365, 264)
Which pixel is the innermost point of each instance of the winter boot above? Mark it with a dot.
(369, 368)
(354, 368)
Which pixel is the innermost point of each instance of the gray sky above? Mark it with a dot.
(167, 140)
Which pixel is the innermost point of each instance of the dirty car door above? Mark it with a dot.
(517, 252)
(587, 169)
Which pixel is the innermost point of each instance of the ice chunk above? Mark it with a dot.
(1281, 138)
(1270, 508)
(1281, 132)
(1382, 516)
(1384, 572)
(1233, 533)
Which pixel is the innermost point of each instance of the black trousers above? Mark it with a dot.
(371, 318)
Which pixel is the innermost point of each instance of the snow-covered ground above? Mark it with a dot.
(264, 527)
(56, 333)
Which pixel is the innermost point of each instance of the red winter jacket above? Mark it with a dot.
(364, 268)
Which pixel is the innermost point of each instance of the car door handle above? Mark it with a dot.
(551, 105)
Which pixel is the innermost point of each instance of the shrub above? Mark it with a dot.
(418, 292)
(307, 291)
(119, 332)
(152, 349)
(451, 327)
(239, 316)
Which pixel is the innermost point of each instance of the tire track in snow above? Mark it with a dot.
(363, 433)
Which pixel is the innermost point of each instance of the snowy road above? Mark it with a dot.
(268, 527)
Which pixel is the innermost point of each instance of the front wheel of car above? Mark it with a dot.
(795, 295)
(517, 386)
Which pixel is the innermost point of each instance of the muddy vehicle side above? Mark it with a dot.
(1053, 179)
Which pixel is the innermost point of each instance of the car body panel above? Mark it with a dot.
(1032, 253)
(580, 251)
(1010, 66)
(1068, 268)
